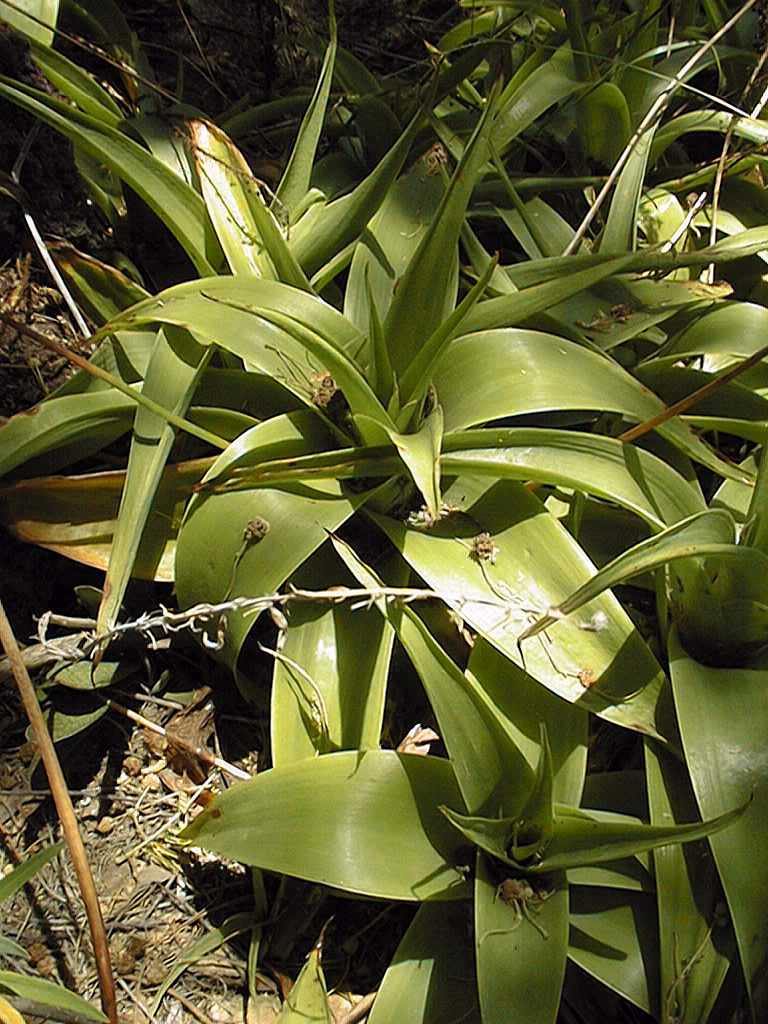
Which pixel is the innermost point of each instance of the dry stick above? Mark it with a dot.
(654, 111)
(116, 382)
(720, 173)
(360, 1010)
(696, 396)
(177, 741)
(188, 1005)
(66, 813)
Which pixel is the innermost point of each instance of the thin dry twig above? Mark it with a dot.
(654, 112)
(116, 382)
(66, 813)
(179, 742)
(360, 1010)
(189, 1006)
(684, 404)
(709, 275)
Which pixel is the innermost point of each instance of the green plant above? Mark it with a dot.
(414, 426)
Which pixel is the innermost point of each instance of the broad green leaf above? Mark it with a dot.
(523, 705)
(431, 978)
(46, 11)
(671, 383)
(326, 230)
(506, 310)
(495, 374)
(293, 525)
(723, 719)
(307, 1002)
(202, 947)
(539, 229)
(591, 668)
(748, 128)
(426, 291)
(603, 119)
(369, 414)
(63, 430)
(329, 683)
(172, 376)
(534, 272)
(26, 870)
(620, 232)
(381, 376)
(295, 181)
(521, 944)
(489, 769)
(414, 382)
(692, 963)
(693, 537)
(73, 81)
(396, 230)
(363, 821)
(614, 937)
(603, 466)
(638, 53)
(223, 311)
(177, 205)
(533, 830)
(524, 103)
(420, 451)
(731, 331)
(49, 994)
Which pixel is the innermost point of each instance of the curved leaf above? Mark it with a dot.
(363, 821)
(723, 720)
(176, 204)
(431, 977)
(172, 376)
(521, 947)
(535, 372)
(610, 671)
(329, 683)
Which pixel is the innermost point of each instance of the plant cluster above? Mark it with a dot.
(349, 390)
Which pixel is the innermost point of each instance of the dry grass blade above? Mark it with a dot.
(66, 813)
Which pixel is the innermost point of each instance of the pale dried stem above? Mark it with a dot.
(709, 274)
(654, 112)
(360, 1010)
(178, 742)
(66, 813)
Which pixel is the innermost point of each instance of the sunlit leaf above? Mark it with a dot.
(364, 821)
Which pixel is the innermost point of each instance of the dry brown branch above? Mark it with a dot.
(678, 408)
(66, 813)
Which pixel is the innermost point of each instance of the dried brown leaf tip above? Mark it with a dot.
(417, 740)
